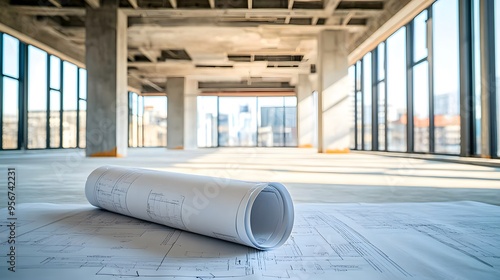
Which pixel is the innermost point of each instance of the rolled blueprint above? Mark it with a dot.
(255, 214)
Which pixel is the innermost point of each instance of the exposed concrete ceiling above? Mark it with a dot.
(208, 40)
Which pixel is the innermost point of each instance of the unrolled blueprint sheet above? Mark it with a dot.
(329, 241)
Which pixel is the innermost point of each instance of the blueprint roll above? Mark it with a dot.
(255, 214)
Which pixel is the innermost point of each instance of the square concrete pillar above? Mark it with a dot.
(175, 111)
(181, 121)
(106, 61)
(306, 112)
(333, 92)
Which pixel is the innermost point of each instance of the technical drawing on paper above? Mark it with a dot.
(345, 241)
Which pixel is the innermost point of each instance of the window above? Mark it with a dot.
(10, 56)
(237, 121)
(10, 110)
(70, 97)
(10, 92)
(352, 105)
(133, 120)
(37, 98)
(207, 121)
(290, 121)
(55, 119)
(421, 121)
(446, 77)
(381, 96)
(82, 107)
(359, 107)
(367, 101)
(271, 114)
(155, 121)
(421, 107)
(55, 103)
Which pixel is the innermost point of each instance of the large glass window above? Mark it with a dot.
(271, 114)
(352, 104)
(367, 101)
(207, 121)
(132, 139)
(10, 55)
(70, 97)
(381, 96)
(421, 121)
(420, 36)
(497, 56)
(155, 121)
(421, 107)
(55, 119)
(446, 77)
(37, 98)
(396, 91)
(359, 107)
(237, 121)
(10, 117)
(290, 121)
(82, 107)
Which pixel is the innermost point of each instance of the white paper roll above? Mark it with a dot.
(255, 214)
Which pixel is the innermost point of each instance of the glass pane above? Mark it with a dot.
(83, 123)
(420, 36)
(10, 124)
(396, 91)
(359, 106)
(69, 104)
(381, 59)
(207, 121)
(446, 77)
(37, 98)
(55, 119)
(352, 104)
(381, 116)
(55, 72)
(271, 121)
(477, 78)
(497, 55)
(83, 83)
(367, 101)
(82, 94)
(237, 121)
(421, 107)
(140, 111)
(133, 123)
(10, 56)
(155, 121)
(291, 121)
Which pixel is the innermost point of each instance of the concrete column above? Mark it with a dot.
(306, 112)
(181, 121)
(190, 114)
(175, 111)
(333, 92)
(106, 62)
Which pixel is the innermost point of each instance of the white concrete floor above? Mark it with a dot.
(59, 176)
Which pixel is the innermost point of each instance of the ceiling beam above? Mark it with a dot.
(250, 4)
(348, 18)
(212, 4)
(133, 3)
(290, 4)
(152, 55)
(56, 3)
(93, 3)
(314, 20)
(173, 3)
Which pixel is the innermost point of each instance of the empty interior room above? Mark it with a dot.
(251, 139)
